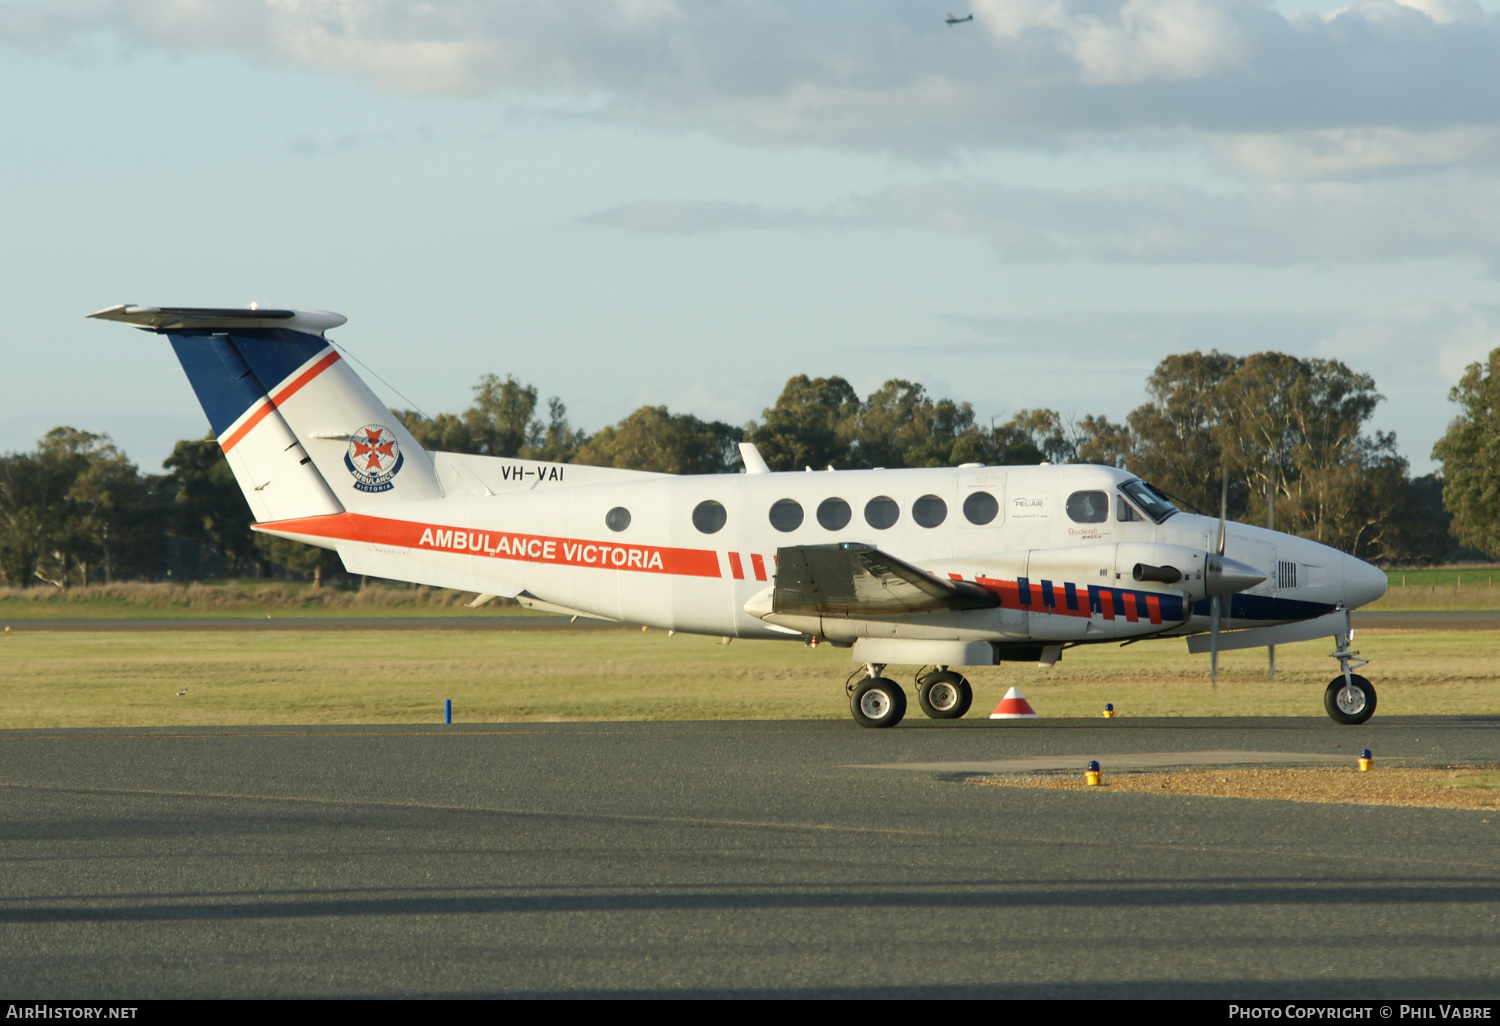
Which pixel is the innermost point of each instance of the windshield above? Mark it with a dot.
(1148, 500)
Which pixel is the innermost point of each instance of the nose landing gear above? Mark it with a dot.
(1349, 698)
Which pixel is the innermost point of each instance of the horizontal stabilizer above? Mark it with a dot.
(853, 579)
(207, 318)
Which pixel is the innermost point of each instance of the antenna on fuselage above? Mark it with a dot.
(755, 463)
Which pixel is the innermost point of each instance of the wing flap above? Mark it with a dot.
(853, 579)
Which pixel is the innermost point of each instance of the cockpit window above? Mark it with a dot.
(1148, 500)
(1088, 507)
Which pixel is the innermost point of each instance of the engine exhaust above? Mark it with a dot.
(1159, 574)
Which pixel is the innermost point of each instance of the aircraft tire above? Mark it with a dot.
(944, 695)
(1358, 711)
(877, 702)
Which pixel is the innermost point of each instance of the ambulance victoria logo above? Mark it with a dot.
(374, 458)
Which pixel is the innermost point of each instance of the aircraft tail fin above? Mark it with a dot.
(303, 434)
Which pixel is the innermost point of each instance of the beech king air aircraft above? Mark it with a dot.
(938, 568)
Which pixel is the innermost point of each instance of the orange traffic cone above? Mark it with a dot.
(1013, 707)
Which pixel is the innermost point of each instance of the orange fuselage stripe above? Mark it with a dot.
(529, 548)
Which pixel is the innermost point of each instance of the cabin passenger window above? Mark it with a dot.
(786, 515)
(1088, 507)
(617, 519)
(882, 512)
(834, 514)
(709, 516)
(929, 511)
(980, 508)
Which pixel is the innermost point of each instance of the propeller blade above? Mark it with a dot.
(1223, 509)
(1213, 641)
(1222, 575)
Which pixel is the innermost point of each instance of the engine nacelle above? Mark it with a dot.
(1131, 589)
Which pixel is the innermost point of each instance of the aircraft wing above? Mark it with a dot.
(854, 579)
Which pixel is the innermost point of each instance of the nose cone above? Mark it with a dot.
(1363, 583)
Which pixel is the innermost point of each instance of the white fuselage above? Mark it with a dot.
(541, 531)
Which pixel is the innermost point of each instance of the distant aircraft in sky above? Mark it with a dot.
(951, 20)
(937, 567)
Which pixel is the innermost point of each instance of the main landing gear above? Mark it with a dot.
(1349, 698)
(944, 695)
(878, 701)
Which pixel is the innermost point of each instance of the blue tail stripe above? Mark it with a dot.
(224, 384)
(230, 373)
(275, 354)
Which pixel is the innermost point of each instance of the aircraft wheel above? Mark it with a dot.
(1354, 706)
(877, 702)
(945, 695)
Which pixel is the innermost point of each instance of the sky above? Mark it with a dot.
(685, 203)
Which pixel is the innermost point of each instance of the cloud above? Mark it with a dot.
(1424, 345)
(307, 146)
(1352, 152)
(887, 75)
(1415, 353)
(701, 218)
(1155, 333)
(1137, 41)
(1454, 215)
(1428, 344)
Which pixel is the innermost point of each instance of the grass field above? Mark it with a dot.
(1444, 587)
(132, 679)
(240, 597)
(1469, 575)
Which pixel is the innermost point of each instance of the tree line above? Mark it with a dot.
(1289, 435)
